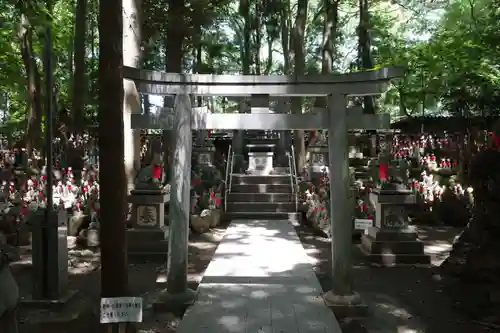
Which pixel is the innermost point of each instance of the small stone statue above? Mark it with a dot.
(394, 184)
(152, 177)
(319, 140)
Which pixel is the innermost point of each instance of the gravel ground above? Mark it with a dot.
(143, 277)
(400, 300)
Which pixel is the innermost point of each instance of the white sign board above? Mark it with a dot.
(121, 310)
(362, 224)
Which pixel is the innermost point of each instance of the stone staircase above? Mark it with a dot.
(262, 197)
(264, 191)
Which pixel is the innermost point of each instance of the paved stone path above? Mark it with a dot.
(260, 280)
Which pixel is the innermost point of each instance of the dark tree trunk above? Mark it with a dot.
(299, 60)
(34, 119)
(173, 58)
(79, 82)
(364, 45)
(114, 275)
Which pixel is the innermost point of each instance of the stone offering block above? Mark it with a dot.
(260, 163)
(149, 234)
(391, 207)
(204, 154)
(392, 242)
(50, 257)
(318, 155)
(318, 161)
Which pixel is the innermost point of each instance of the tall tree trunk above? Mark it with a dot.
(34, 120)
(329, 40)
(79, 78)
(259, 10)
(114, 273)
(328, 49)
(173, 58)
(132, 39)
(247, 35)
(147, 63)
(93, 17)
(246, 60)
(299, 61)
(198, 54)
(286, 36)
(269, 62)
(147, 104)
(175, 37)
(364, 48)
(366, 62)
(286, 39)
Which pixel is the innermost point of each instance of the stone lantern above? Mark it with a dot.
(391, 241)
(149, 233)
(318, 156)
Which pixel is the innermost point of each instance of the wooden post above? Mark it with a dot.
(114, 275)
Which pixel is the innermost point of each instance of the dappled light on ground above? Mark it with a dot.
(401, 299)
(259, 280)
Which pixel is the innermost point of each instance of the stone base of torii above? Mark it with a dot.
(337, 118)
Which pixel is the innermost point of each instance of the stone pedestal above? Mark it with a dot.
(204, 154)
(149, 234)
(392, 242)
(318, 158)
(260, 163)
(50, 263)
(355, 152)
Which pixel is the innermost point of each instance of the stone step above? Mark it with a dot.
(261, 188)
(244, 179)
(268, 146)
(155, 253)
(143, 242)
(145, 235)
(292, 217)
(399, 247)
(281, 170)
(272, 207)
(260, 197)
(260, 140)
(395, 260)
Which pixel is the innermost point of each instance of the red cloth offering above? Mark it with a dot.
(495, 140)
(383, 172)
(156, 172)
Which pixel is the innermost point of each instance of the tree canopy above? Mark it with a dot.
(450, 49)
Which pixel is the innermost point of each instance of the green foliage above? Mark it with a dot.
(450, 49)
(455, 69)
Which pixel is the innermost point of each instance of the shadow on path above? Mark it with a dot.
(401, 300)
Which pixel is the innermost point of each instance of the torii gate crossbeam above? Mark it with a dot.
(202, 119)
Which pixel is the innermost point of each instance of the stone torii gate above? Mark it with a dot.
(336, 118)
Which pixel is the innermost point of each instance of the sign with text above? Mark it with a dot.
(162, 120)
(362, 224)
(121, 310)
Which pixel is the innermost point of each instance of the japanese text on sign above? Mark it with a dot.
(121, 310)
(362, 224)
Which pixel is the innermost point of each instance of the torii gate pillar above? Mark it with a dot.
(342, 296)
(178, 292)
